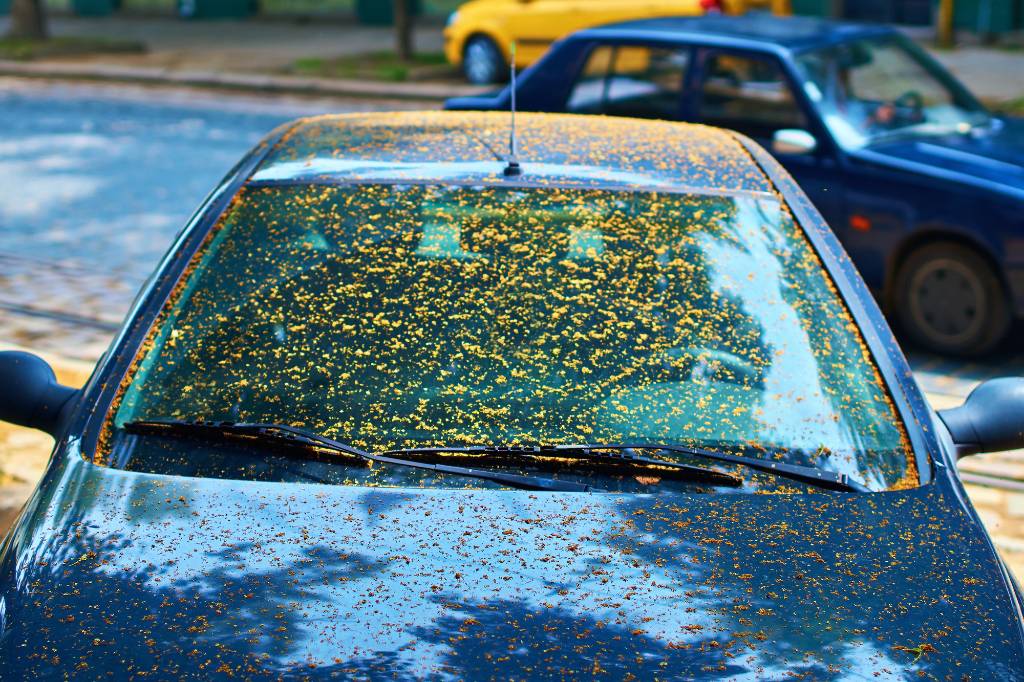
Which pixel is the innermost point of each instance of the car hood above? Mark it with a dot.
(994, 160)
(118, 573)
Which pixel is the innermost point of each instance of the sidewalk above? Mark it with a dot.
(228, 45)
(992, 74)
(240, 55)
(432, 93)
(255, 55)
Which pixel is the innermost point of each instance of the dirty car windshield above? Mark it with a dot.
(394, 316)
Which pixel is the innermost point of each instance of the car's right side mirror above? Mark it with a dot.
(990, 420)
(30, 395)
(793, 141)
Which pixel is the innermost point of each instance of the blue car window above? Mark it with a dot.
(588, 92)
(398, 316)
(630, 80)
(873, 90)
(748, 94)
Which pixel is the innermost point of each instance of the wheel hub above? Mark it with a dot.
(481, 65)
(947, 300)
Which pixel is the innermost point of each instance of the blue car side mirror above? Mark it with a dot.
(30, 395)
(990, 420)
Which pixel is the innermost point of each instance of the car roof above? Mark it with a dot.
(755, 29)
(471, 147)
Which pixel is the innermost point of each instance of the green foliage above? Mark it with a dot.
(1011, 107)
(432, 7)
(384, 66)
(23, 49)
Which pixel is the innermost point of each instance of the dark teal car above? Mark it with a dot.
(923, 186)
(395, 408)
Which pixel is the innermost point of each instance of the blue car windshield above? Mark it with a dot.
(875, 89)
(392, 316)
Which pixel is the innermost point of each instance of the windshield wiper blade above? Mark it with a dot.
(283, 434)
(612, 456)
(820, 478)
(600, 453)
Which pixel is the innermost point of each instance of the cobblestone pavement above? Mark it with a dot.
(64, 297)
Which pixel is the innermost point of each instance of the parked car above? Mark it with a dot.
(923, 186)
(390, 408)
(479, 35)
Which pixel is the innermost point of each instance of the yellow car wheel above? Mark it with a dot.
(482, 61)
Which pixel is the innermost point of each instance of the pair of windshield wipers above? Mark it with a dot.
(619, 458)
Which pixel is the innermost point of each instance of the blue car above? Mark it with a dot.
(923, 186)
(396, 406)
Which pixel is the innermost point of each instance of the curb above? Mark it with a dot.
(247, 82)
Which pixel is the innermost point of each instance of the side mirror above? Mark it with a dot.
(793, 141)
(990, 420)
(29, 393)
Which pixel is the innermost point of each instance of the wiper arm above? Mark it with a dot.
(282, 434)
(601, 452)
(604, 456)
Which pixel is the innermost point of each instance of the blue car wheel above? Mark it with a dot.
(949, 300)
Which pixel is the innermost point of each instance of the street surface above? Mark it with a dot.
(96, 181)
(94, 184)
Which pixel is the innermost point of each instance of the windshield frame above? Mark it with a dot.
(875, 437)
(919, 55)
(107, 382)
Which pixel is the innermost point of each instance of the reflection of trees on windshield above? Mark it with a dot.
(406, 315)
(761, 273)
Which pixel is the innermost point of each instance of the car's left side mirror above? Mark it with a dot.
(30, 395)
(990, 420)
(793, 141)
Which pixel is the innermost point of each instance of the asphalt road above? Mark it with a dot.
(95, 181)
(104, 177)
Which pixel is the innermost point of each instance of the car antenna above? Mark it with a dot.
(512, 169)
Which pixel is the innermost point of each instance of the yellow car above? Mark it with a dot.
(479, 34)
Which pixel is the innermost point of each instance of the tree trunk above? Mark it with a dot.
(403, 29)
(28, 19)
(946, 31)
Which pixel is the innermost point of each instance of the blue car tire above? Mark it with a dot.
(948, 299)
